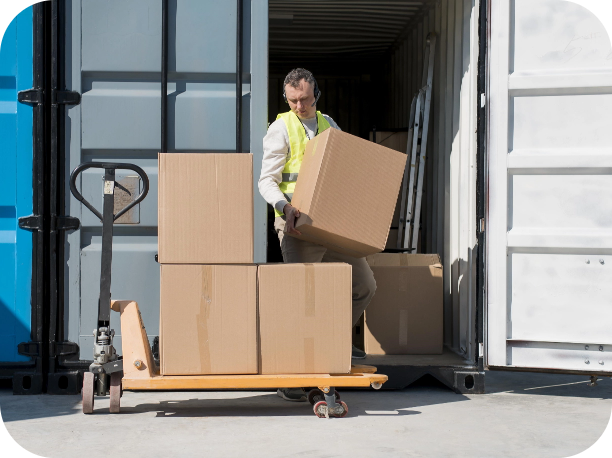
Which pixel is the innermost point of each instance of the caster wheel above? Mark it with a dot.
(87, 393)
(321, 410)
(344, 409)
(315, 395)
(115, 392)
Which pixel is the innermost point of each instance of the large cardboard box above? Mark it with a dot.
(346, 192)
(397, 140)
(205, 208)
(406, 313)
(208, 319)
(305, 318)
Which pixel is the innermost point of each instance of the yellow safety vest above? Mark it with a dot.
(297, 145)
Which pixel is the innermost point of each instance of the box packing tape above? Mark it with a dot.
(309, 311)
(202, 319)
(435, 270)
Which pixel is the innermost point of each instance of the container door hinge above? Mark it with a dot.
(34, 96)
(65, 97)
(63, 348)
(31, 349)
(64, 223)
(31, 223)
(481, 225)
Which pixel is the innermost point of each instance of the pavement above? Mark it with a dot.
(521, 415)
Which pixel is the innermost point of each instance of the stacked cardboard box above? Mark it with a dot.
(305, 318)
(208, 319)
(405, 315)
(208, 297)
(205, 208)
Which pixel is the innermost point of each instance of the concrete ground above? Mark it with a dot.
(522, 415)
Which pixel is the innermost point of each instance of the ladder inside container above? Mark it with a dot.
(416, 149)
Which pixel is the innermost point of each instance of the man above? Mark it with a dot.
(284, 147)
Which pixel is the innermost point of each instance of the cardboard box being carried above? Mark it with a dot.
(346, 192)
(406, 313)
(205, 208)
(305, 318)
(208, 319)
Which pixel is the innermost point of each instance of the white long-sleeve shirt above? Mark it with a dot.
(276, 154)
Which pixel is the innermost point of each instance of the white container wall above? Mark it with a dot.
(549, 234)
(449, 199)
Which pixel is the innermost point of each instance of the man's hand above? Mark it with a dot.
(291, 214)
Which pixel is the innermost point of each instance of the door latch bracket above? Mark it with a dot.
(31, 223)
(33, 95)
(66, 97)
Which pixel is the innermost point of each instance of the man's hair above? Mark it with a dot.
(296, 75)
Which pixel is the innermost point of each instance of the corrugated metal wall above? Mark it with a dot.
(16, 187)
(449, 210)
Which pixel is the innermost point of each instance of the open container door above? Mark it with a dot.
(549, 249)
(112, 56)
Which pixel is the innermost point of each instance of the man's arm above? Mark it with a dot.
(276, 149)
(331, 122)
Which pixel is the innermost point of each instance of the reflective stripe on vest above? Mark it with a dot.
(290, 177)
(297, 144)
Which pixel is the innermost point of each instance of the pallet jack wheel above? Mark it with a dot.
(115, 392)
(320, 410)
(345, 407)
(315, 395)
(89, 380)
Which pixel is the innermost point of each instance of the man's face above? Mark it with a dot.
(300, 100)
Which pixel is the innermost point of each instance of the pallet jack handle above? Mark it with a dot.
(107, 218)
(108, 166)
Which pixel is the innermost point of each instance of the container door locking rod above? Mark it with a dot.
(104, 352)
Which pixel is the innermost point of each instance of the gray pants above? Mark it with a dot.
(295, 250)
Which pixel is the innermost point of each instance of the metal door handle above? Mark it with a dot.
(113, 166)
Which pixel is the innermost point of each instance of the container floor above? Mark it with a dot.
(447, 358)
(522, 415)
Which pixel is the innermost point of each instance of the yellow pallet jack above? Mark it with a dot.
(110, 374)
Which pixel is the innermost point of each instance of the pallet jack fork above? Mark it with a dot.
(106, 364)
(141, 372)
(136, 369)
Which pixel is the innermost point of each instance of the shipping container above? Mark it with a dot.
(517, 178)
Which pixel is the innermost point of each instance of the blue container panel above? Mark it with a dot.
(15, 187)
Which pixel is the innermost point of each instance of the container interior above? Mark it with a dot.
(368, 58)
